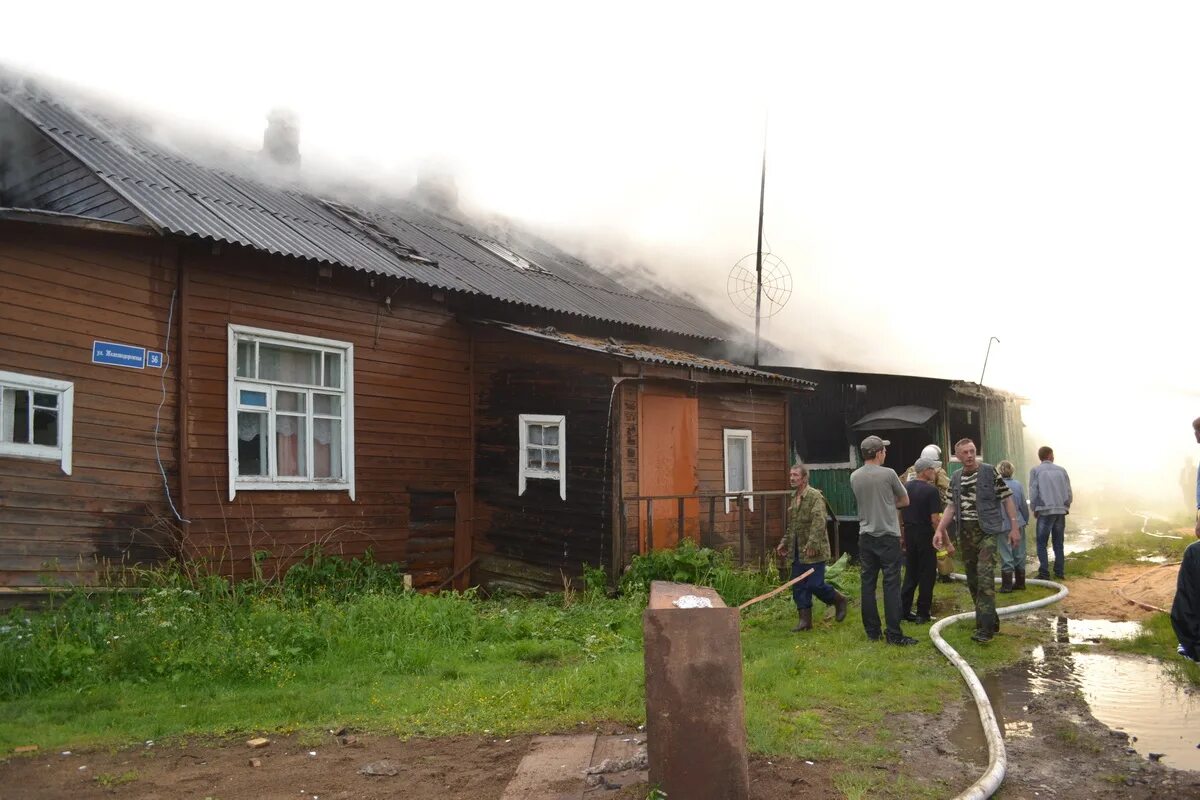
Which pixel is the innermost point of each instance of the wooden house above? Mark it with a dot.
(197, 361)
(827, 424)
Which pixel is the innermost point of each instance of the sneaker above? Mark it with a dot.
(873, 637)
(1043, 576)
(922, 619)
(903, 641)
(981, 635)
(909, 617)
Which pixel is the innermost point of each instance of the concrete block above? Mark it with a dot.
(695, 709)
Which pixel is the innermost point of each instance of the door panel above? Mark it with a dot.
(669, 449)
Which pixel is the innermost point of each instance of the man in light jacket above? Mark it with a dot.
(1050, 499)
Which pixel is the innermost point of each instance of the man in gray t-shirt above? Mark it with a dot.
(879, 495)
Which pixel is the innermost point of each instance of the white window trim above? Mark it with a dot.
(237, 483)
(850, 462)
(66, 419)
(524, 472)
(740, 433)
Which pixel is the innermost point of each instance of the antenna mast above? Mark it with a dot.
(762, 194)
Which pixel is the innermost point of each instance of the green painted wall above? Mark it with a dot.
(835, 485)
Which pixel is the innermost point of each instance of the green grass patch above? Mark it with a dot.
(1157, 639)
(202, 658)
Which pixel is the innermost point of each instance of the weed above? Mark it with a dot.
(111, 780)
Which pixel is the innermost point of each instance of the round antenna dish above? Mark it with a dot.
(776, 285)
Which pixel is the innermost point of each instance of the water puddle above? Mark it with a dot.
(1091, 631)
(1132, 694)
(1153, 559)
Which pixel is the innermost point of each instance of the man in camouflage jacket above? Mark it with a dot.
(807, 542)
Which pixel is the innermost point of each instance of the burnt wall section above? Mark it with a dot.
(530, 542)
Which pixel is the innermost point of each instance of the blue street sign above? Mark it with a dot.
(118, 355)
(154, 359)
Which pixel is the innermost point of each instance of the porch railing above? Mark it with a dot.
(740, 505)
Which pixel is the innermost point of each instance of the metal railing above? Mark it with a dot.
(738, 501)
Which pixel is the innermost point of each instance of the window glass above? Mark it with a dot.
(737, 464)
(245, 360)
(45, 427)
(327, 404)
(19, 427)
(252, 443)
(288, 365)
(291, 446)
(289, 401)
(327, 448)
(333, 371)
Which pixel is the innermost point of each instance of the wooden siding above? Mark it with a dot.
(412, 430)
(36, 173)
(531, 541)
(721, 406)
(61, 291)
(763, 413)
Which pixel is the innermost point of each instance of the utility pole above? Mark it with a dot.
(985, 358)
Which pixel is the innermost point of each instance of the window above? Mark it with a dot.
(543, 450)
(520, 262)
(739, 465)
(35, 418)
(291, 412)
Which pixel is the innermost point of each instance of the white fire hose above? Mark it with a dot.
(990, 780)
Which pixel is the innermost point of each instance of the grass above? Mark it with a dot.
(200, 658)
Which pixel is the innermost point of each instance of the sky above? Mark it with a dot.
(938, 173)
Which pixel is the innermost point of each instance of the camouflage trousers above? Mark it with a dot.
(979, 557)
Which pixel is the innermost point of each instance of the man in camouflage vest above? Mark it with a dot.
(808, 543)
(981, 504)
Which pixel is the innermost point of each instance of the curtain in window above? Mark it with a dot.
(737, 465)
(327, 448)
(290, 446)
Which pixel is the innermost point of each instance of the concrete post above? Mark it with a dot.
(695, 710)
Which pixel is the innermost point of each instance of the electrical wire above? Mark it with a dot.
(162, 401)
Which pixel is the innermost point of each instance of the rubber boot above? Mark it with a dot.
(805, 623)
(1019, 580)
(840, 604)
(1006, 582)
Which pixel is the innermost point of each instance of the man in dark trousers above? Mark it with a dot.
(1185, 611)
(807, 541)
(981, 505)
(879, 495)
(920, 516)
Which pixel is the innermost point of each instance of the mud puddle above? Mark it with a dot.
(1131, 694)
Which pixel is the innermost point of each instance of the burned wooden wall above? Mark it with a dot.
(411, 413)
(530, 542)
(59, 292)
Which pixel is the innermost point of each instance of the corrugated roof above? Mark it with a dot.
(653, 354)
(179, 196)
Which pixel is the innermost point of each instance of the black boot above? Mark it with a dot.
(840, 604)
(805, 623)
(1006, 582)
(1019, 580)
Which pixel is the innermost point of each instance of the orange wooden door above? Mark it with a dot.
(669, 449)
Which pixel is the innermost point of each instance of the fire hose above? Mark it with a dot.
(987, 784)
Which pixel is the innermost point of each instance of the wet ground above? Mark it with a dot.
(1129, 694)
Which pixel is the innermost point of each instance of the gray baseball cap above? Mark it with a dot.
(926, 463)
(874, 443)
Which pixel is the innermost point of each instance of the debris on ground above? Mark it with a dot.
(384, 768)
(257, 742)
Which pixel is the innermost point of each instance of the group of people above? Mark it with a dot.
(980, 510)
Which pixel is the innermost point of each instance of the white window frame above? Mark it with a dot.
(850, 462)
(740, 433)
(524, 472)
(63, 451)
(267, 482)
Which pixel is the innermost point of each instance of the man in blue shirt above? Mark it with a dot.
(1050, 500)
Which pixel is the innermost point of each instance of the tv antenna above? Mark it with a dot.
(763, 285)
